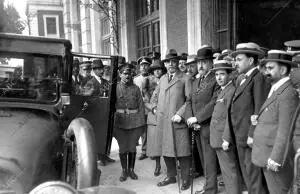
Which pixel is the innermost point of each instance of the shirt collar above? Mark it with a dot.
(279, 83)
(250, 71)
(98, 79)
(223, 87)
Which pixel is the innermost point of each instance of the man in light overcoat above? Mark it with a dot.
(173, 91)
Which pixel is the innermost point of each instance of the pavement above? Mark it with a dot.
(146, 183)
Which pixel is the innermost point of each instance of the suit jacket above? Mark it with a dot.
(272, 135)
(246, 101)
(202, 101)
(94, 88)
(218, 119)
(172, 99)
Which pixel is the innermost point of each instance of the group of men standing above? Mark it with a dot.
(240, 108)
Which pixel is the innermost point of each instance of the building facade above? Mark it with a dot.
(133, 28)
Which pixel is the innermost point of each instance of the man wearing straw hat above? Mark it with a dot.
(251, 92)
(272, 147)
(227, 156)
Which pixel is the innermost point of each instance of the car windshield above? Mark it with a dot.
(29, 76)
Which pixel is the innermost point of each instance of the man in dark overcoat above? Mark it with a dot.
(251, 91)
(199, 112)
(173, 91)
(272, 147)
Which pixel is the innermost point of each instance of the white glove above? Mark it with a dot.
(225, 145)
(191, 121)
(250, 141)
(272, 165)
(176, 119)
(253, 119)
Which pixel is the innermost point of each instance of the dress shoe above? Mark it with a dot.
(109, 160)
(185, 185)
(200, 192)
(157, 170)
(124, 175)
(196, 175)
(167, 181)
(143, 156)
(221, 183)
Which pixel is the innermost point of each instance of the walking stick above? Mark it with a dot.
(176, 158)
(196, 127)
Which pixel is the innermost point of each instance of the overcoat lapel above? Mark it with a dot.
(241, 88)
(174, 80)
(273, 97)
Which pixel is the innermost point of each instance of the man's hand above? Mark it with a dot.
(176, 119)
(225, 145)
(250, 141)
(272, 165)
(191, 121)
(253, 119)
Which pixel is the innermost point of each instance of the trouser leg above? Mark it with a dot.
(210, 166)
(230, 171)
(280, 182)
(171, 166)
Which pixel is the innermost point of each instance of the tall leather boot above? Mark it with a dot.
(157, 166)
(124, 174)
(131, 163)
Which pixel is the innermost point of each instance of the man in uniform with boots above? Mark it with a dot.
(142, 81)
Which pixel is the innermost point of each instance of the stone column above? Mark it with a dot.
(67, 22)
(75, 25)
(173, 26)
(128, 47)
(95, 31)
(86, 28)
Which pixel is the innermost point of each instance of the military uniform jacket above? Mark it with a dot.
(246, 101)
(202, 101)
(273, 133)
(94, 88)
(218, 119)
(172, 99)
(129, 97)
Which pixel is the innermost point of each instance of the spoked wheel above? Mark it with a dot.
(70, 164)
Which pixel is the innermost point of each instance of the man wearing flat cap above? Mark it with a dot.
(198, 115)
(272, 147)
(173, 91)
(227, 156)
(251, 91)
(191, 66)
(182, 62)
(96, 86)
(142, 81)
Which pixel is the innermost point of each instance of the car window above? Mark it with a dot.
(29, 76)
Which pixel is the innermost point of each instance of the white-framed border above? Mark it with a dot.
(45, 16)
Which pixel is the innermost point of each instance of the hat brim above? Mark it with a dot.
(291, 63)
(222, 68)
(204, 58)
(191, 62)
(154, 67)
(260, 54)
(168, 59)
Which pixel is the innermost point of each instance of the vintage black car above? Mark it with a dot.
(47, 132)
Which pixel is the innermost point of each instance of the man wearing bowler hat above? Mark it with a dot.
(173, 91)
(227, 156)
(96, 86)
(272, 147)
(198, 114)
(251, 91)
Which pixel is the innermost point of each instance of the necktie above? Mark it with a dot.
(242, 78)
(170, 77)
